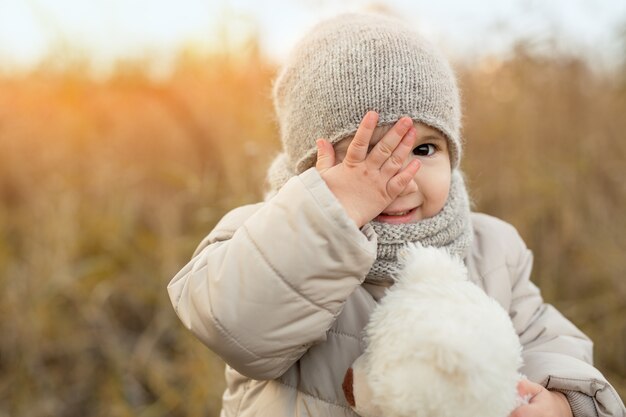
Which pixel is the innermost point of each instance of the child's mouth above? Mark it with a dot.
(397, 217)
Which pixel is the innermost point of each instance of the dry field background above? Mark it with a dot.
(107, 185)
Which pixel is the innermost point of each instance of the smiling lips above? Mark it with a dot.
(396, 217)
(399, 213)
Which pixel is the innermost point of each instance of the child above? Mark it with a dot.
(369, 115)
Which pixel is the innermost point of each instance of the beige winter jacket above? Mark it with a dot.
(277, 291)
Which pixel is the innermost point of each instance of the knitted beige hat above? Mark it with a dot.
(353, 63)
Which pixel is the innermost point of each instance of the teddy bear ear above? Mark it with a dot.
(357, 390)
(348, 386)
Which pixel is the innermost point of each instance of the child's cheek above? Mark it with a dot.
(435, 188)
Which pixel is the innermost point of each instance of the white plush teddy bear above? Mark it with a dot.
(437, 346)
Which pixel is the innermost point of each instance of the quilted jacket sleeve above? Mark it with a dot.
(270, 280)
(555, 352)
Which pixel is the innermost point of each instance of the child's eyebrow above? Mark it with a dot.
(435, 138)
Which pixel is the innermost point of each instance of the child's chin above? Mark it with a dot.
(410, 217)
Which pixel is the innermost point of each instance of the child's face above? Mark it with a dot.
(428, 193)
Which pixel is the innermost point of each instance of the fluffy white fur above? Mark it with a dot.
(437, 346)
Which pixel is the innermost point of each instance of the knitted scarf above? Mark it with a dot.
(450, 228)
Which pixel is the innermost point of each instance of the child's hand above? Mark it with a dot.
(365, 184)
(543, 403)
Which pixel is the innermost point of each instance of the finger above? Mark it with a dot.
(394, 163)
(402, 179)
(385, 147)
(357, 150)
(528, 388)
(325, 155)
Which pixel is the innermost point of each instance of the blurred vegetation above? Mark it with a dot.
(108, 185)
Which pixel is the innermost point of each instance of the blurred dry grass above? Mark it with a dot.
(107, 186)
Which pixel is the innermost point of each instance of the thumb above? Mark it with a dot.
(526, 388)
(325, 155)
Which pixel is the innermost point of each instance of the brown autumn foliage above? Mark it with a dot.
(107, 186)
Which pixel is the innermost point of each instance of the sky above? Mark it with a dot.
(107, 30)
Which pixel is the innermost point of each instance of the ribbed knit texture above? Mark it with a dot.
(581, 404)
(353, 63)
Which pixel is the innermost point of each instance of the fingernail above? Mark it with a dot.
(370, 118)
(319, 144)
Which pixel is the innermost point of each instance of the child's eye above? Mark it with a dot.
(427, 149)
